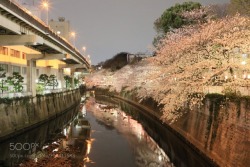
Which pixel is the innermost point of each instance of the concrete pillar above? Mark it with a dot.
(60, 77)
(72, 70)
(31, 77)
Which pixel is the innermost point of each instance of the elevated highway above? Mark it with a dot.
(18, 27)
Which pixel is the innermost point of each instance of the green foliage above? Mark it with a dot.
(15, 81)
(76, 82)
(117, 62)
(68, 81)
(172, 19)
(52, 81)
(43, 80)
(40, 88)
(3, 80)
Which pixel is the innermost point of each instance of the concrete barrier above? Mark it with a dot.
(21, 113)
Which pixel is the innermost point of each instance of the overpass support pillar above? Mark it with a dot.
(73, 77)
(31, 77)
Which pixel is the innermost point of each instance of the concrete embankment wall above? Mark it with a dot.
(20, 114)
(220, 129)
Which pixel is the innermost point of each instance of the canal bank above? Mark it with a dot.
(24, 113)
(24, 146)
(218, 131)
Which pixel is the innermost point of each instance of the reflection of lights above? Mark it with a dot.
(36, 159)
(226, 77)
(235, 76)
(55, 143)
(248, 76)
(55, 150)
(89, 143)
(65, 132)
(44, 147)
(86, 159)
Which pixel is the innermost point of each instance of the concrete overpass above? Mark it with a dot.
(18, 27)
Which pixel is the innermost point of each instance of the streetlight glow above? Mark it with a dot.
(45, 5)
(84, 48)
(73, 35)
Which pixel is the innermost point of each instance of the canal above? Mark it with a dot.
(100, 132)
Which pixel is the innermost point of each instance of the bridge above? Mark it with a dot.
(19, 28)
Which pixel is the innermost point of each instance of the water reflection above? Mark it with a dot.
(121, 138)
(68, 148)
(180, 152)
(34, 140)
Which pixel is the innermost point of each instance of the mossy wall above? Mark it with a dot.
(21, 113)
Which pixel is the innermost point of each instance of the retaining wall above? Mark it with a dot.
(220, 129)
(20, 114)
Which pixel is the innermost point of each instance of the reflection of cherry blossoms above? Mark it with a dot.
(190, 62)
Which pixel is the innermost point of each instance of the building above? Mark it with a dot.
(15, 59)
(61, 27)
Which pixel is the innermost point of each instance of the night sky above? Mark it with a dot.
(107, 27)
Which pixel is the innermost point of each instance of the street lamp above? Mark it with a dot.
(73, 35)
(45, 5)
(84, 49)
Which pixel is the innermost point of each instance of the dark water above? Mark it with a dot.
(14, 150)
(118, 140)
(118, 136)
(180, 152)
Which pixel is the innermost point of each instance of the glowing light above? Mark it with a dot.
(45, 4)
(160, 158)
(84, 48)
(44, 147)
(243, 62)
(73, 34)
(55, 150)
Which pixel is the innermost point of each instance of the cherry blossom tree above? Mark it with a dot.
(190, 62)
